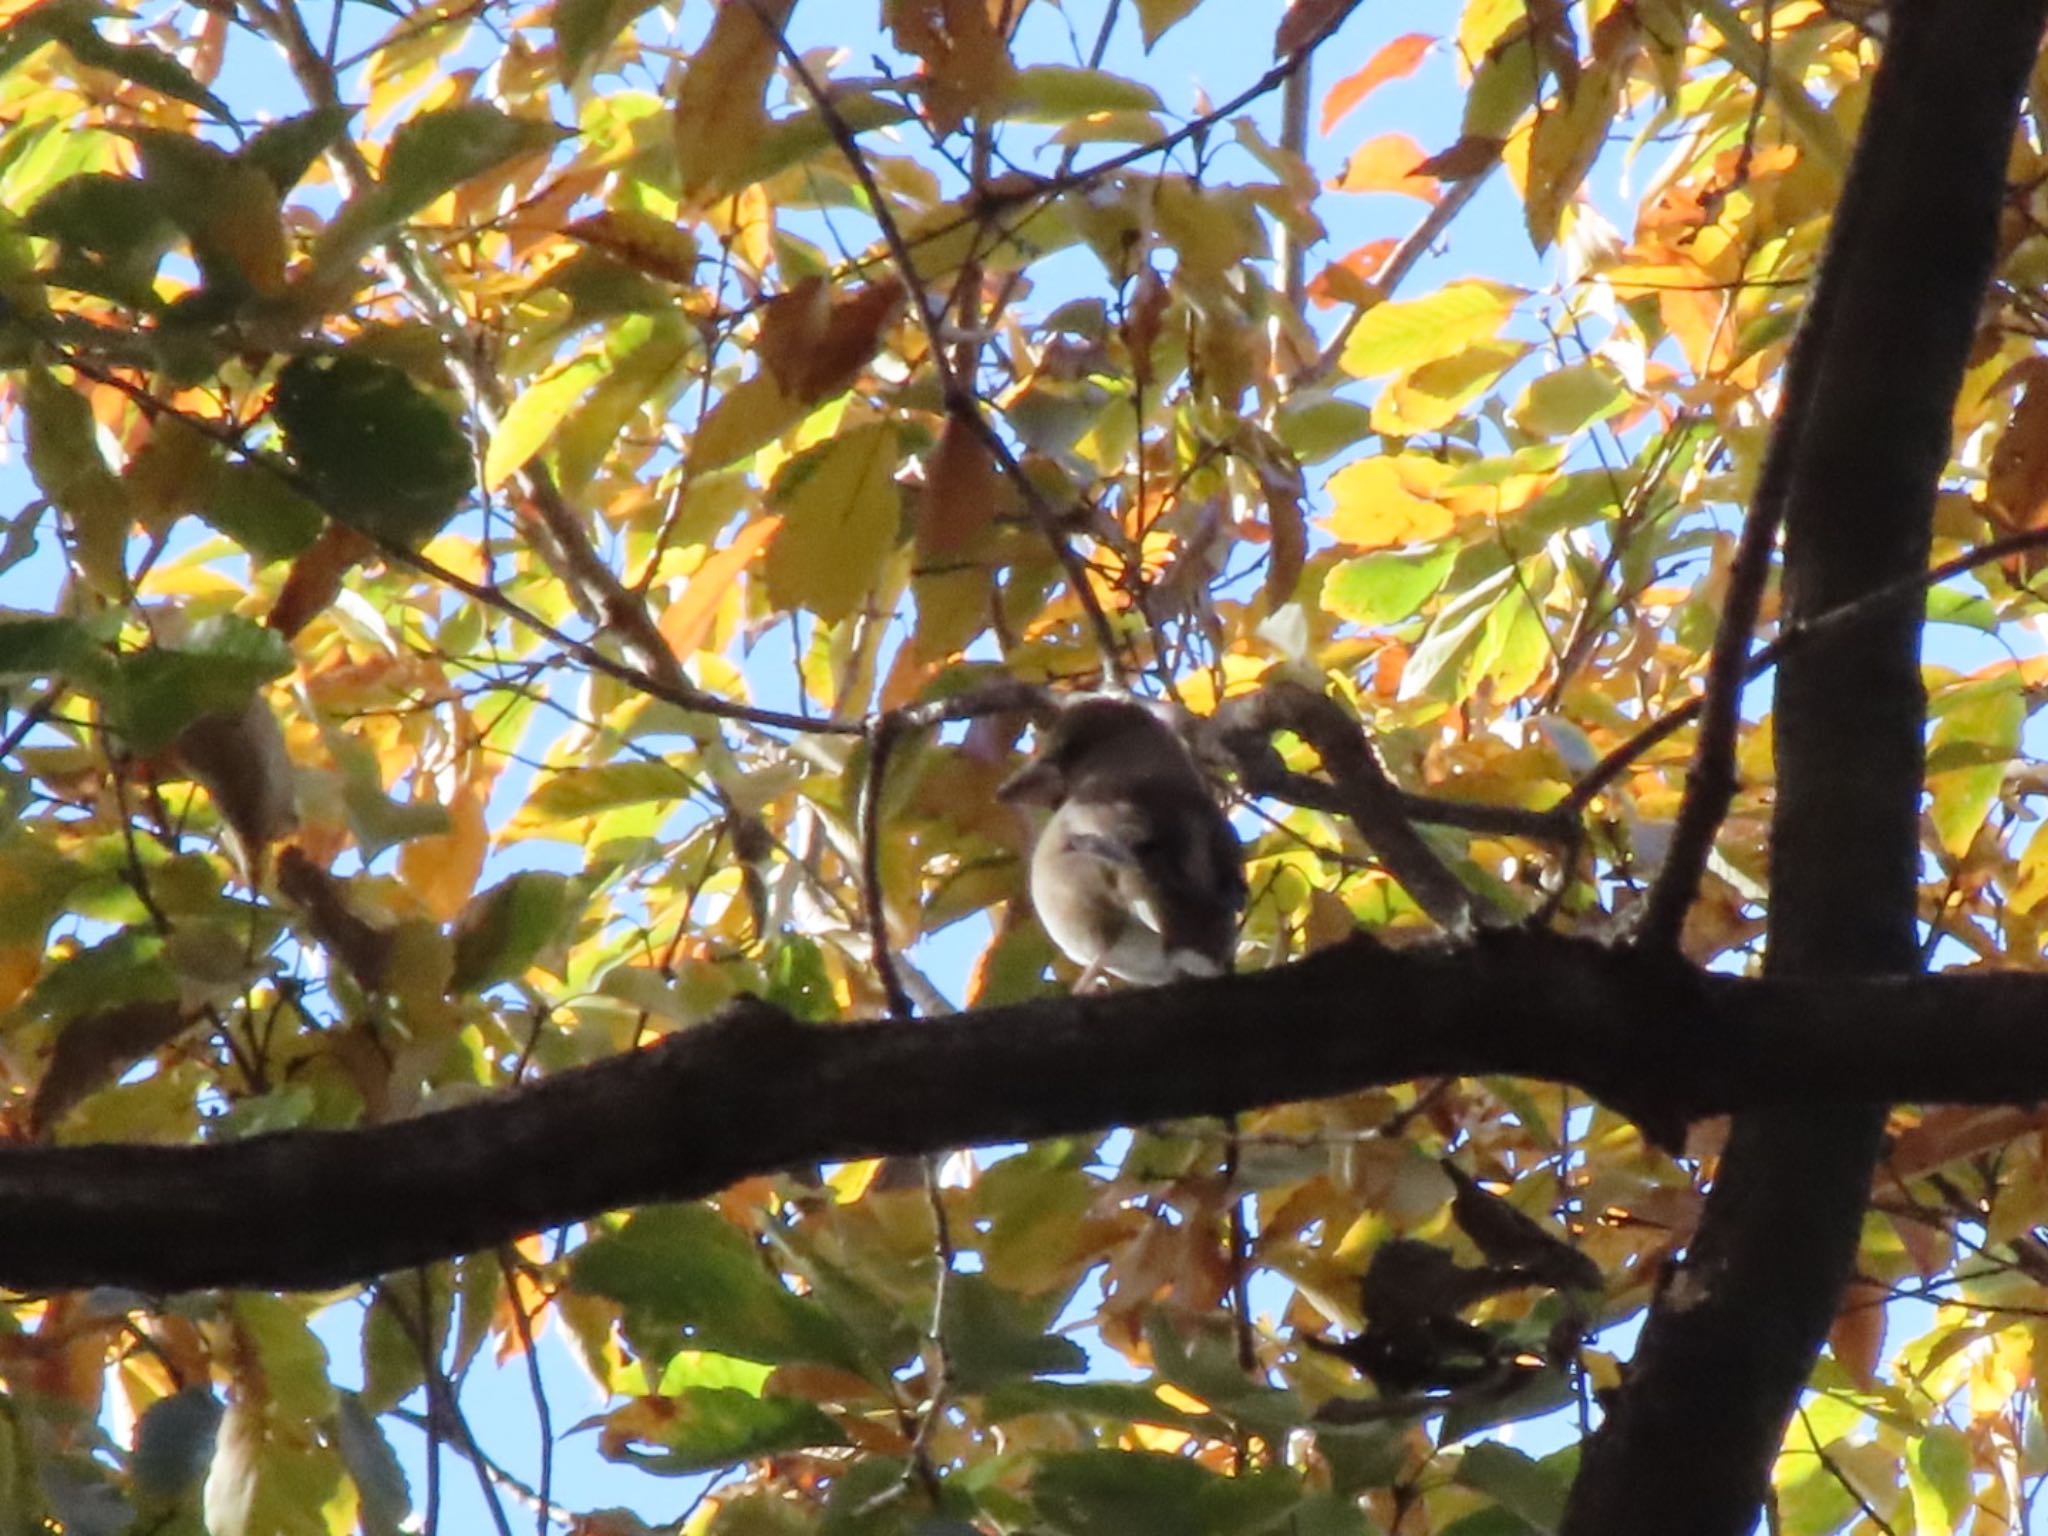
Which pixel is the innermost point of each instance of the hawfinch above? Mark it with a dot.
(1137, 873)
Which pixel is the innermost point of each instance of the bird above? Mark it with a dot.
(1137, 873)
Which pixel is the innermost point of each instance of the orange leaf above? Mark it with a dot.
(686, 621)
(1348, 280)
(442, 870)
(314, 580)
(959, 499)
(1394, 61)
(1387, 164)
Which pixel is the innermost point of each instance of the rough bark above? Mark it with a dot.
(753, 1092)
(1727, 1348)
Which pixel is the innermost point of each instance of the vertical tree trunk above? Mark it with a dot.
(1688, 1446)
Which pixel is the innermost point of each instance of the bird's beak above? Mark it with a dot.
(1033, 784)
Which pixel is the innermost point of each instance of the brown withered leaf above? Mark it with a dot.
(1304, 23)
(642, 240)
(240, 757)
(1143, 318)
(2016, 482)
(816, 345)
(94, 1050)
(967, 64)
(1472, 155)
(959, 498)
(364, 948)
(1856, 1337)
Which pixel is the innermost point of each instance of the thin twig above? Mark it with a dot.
(1711, 783)
(1616, 762)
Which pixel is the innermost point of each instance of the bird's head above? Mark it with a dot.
(1092, 734)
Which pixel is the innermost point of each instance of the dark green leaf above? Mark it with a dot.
(373, 1466)
(378, 452)
(585, 28)
(174, 1442)
(1145, 1493)
(1530, 1489)
(992, 1335)
(286, 149)
(686, 1266)
(44, 647)
(157, 692)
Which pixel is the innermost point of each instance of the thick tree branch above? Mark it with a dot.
(1728, 1348)
(752, 1092)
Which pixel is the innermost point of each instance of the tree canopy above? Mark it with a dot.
(550, 524)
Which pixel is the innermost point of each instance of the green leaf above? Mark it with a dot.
(377, 451)
(70, 24)
(433, 153)
(1530, 1489)
(709, 1428)
(685, 1266)
(373, 1467)
(257, 508)
(157, 692)
(45, 647)
(1119, 1493)
(1455, 636)
(127, 968)
(585, 28)
(1976, 734)
(1568, 399)
(1315, 429)
(1938, 1463)
(1155, 16)
(1057, 93)
(993, 1335)
(503, 930)
(1388, 587)
(798, 982)
(535, 413)
(571, 793)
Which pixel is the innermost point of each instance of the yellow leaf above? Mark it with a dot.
(533, 416)
(751, 414)
(1385, 501)
(1407, 334)
(843, 512)
(719, 108)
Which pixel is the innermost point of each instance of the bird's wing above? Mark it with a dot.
(1172, 858)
